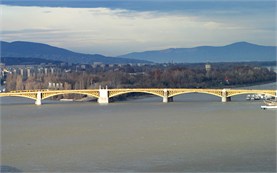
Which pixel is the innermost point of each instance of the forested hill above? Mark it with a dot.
(26, 61)
(43, 51)
(236, 52)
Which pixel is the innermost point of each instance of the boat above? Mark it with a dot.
(270, 104)
(66, 100)
(255, 97)
(268, 107)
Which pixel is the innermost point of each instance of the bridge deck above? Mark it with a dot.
(156, 91)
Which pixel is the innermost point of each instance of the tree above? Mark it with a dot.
(19, 83)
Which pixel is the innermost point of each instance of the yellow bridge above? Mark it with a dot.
(103, 95)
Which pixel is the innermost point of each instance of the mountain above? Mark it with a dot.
(26, 61)
(236, 52)
(43, 51)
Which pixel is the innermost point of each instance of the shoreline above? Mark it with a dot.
(254, 84)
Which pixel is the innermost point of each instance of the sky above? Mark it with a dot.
(116, 27)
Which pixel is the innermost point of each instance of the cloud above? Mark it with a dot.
(119, 31)
(33, 31)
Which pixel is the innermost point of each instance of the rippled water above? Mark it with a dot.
(196, 133)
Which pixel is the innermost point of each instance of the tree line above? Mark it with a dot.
(174, 76)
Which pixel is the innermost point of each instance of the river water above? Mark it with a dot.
(195, 133)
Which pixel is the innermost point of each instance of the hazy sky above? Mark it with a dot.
(115, 27)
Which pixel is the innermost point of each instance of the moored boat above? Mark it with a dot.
(66, 100)
(268, 107)
(270, 102)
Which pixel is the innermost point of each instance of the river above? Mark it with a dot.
(195, 133)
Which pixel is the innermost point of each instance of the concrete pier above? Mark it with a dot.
(38, 100)
(103, 96)
(167, 99)
(224, 97)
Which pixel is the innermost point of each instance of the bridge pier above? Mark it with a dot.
(167, 99)
(103, 96)
(38, 100)
(224, 97)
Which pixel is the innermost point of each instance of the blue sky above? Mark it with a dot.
(115, 27)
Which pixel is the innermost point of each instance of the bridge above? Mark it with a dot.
(104, 94)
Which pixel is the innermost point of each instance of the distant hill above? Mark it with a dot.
(26, 61)
(236, 52)
(43, 51)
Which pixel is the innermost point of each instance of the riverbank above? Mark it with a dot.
(252, 84)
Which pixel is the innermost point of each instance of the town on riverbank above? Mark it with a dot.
(170, 75)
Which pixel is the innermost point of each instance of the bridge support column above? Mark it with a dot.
(38, 100)
(103, 96)
(224, 97)
(167, 99)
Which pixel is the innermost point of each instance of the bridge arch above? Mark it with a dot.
(114, 94)
(22, 96)
(271, 93)
(48, 95)
(200, 92)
